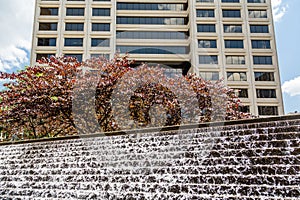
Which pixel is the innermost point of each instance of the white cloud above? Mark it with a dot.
(279, 9)
(292, 87)
(16, 18)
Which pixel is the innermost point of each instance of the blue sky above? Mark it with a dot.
(16, 17)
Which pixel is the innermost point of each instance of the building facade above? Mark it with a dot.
(230, 39)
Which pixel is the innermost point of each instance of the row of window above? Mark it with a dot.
(238, 76)
(256, 44)
(100, 42)
(231, 13)
(78, 56)
(257, 60)
(75, 11)
(232, 28)
(74, 26)
(260, 93)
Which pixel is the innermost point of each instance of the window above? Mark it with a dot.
(100, 42)
(231, 13)
(235, 60)
(209, 76)
(100, 55)
(100, 27)
(232, 28)
(78, 56)
(236, 76)
(206, 28)
(151, 6)
(260, 44)
(153, 49)
(75, 11)
(267, 110)
(40, 56)
(152, 20)
(74, 26)
(264, 76)
(47, 42)
(205, 13)
(205, 59)
(207, 43)
(48, 26)
(73, 42)
(258, 14)
(244, 109)
(205, 1)
(152, 34)
(49, 11)
(230, 1)
(266, 93)
(101, 12)
(262, 60)
(234, 44)
(259, 28)
(241, 93)
(256, 1)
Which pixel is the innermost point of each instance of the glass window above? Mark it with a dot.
(39, 56)
(49, 11)
(100, 42)
(244, 109)
(100, 27)
(151, 6)
(232, 28)
(100, 55)
(205, 1)
(46, 41)
(262, 60)
(152, 20)
(152, 34)
(73, 42)
(47, 26)
(101, 12)
(231, 13)
(74, 26)
(206, 28)
(75, 11)
(261, 44)
(267, 110)
(256, 1)
(259, 28)
(205, 13)
(236, 76)
(266, 93)
(209, 76)
(206, 59)
(234, 44)
(235, 60)
(264, 76)
(207, 43)
(153, 49)
(230, 1)
(258, 14)
(241, 93)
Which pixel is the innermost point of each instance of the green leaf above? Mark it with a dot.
(54, 98)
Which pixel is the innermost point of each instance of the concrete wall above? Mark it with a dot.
(253, 159)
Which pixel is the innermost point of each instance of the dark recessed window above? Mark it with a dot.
(153, 20)
(206, 28)
(49, 11)
(266, 93)
(99, 42)
(152, 34)
(75, 11)
(40, 56)
(264, 76)
(207, 43)
(259, 28)
(101, 12)
(151, 6)
(262, 60)
(258, 14)
(241, 93)
(236, 76)
(244, 109)
(256, 1)
(232, 28)
(209, 76)
(47, 26)
(231, 13)
(205, 13)
(206, 59)
(261, 44)
(73, 42)
(46, 41)
(230, 1)
(74, 26)
(267, 110)
(154, 49)
(100, 27)
(239, 44)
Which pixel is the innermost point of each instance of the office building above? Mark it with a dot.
(230, 39)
